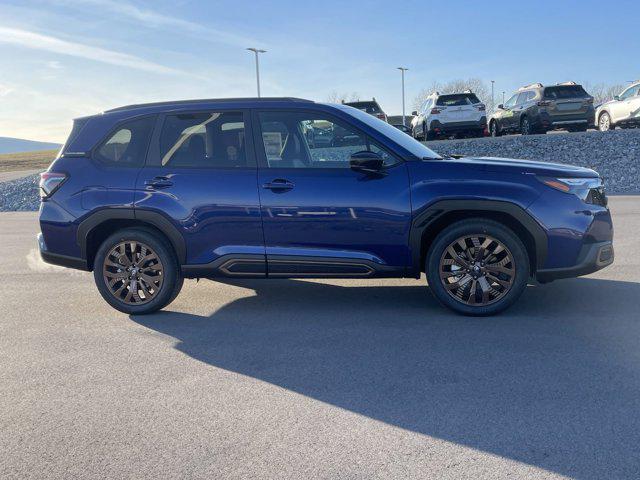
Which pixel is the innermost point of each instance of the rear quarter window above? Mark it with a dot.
(127, 144)
(368, 107)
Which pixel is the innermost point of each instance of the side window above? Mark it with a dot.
(630, 92)
(522, 98)
(127, 146)
(203, 140)
(511, 102)
(301, 140)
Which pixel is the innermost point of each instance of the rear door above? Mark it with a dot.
(320, 217)
(201, 175)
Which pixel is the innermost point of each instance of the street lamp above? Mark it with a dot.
(503, 98)
(402, 70)
(256, 51)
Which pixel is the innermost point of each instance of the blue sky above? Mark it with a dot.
(61, 59)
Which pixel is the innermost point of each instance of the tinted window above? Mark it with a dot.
(301, 140)
(564, 91)
(127, 146)
(203, 140)
(630, 92)
(511, 102)
(524, 97)
(369, 107)
(456, 100)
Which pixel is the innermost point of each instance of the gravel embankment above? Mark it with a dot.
(20, 195)
(615, 155)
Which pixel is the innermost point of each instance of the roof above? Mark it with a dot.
(176, 103)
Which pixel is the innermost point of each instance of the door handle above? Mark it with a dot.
(158, 182)
(278, 184)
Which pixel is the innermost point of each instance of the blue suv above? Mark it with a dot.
(147, 195)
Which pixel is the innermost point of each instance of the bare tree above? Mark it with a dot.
(476, 85)
(336, 97)
(601, 92)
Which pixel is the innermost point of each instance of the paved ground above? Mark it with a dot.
(8, 176)
(332, 379)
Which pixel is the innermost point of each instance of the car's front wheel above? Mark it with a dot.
(136, 271)
(494, 129)
(477, 267)
(604, 122)
(525, 126)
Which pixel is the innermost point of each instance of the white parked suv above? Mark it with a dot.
(623, 111)
(442, 115)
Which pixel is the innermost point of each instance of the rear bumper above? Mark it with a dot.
(565, 121)
(57, 259)
(592, 257)
(458, 126)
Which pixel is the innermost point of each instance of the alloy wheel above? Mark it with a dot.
(604, 122)
(477, 270)
(526, 128)
(133, 273)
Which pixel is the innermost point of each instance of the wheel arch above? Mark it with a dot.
(437, 217)
(93, 230)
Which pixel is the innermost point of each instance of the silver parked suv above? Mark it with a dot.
(442, 115)
(622, 111)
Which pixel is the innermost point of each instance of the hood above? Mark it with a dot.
(509, 165)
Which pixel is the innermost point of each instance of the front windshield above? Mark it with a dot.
(405, 141)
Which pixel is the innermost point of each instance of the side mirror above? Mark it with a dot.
(501, 106)
(366, 162)
(616, 97)
(414, 113)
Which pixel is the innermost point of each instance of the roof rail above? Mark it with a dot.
(571, 82)
(208, 100)
(532, 85)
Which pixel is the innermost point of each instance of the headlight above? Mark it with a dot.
(590, 190)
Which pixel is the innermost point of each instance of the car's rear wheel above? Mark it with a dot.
(494, 129)
(137, 272)
(525, 126)
(477, 267)
(604, 122)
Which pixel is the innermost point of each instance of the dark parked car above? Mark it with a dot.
(372, 107)
(538, 109)
(146, 195)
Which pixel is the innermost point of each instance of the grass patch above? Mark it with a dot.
(38, 160)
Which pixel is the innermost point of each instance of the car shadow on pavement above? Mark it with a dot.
(554, 382)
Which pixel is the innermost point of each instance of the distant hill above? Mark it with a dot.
(17, 145)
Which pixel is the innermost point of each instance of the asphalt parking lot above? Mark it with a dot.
(318, 379)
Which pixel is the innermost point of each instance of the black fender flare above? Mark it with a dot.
(155, 219)
(436, 210)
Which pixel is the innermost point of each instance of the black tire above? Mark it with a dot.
(171, 276)
(485, 229)
(525, 126)
(604, 122)
(494, 128)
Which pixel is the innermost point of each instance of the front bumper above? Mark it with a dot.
(57, 259)
(592, 257)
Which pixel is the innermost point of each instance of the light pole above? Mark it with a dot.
(257, 51)
(402, 70)
(493, 104)
(503, 98)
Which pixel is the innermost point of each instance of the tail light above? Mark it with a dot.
(380, 116)
(435, 111)
(589, 100)
(544, 103)
(50, 182)
(481, 107)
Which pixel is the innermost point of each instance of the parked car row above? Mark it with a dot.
(534, 108)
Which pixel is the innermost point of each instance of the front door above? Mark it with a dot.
(201, 175)
(320, 217)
